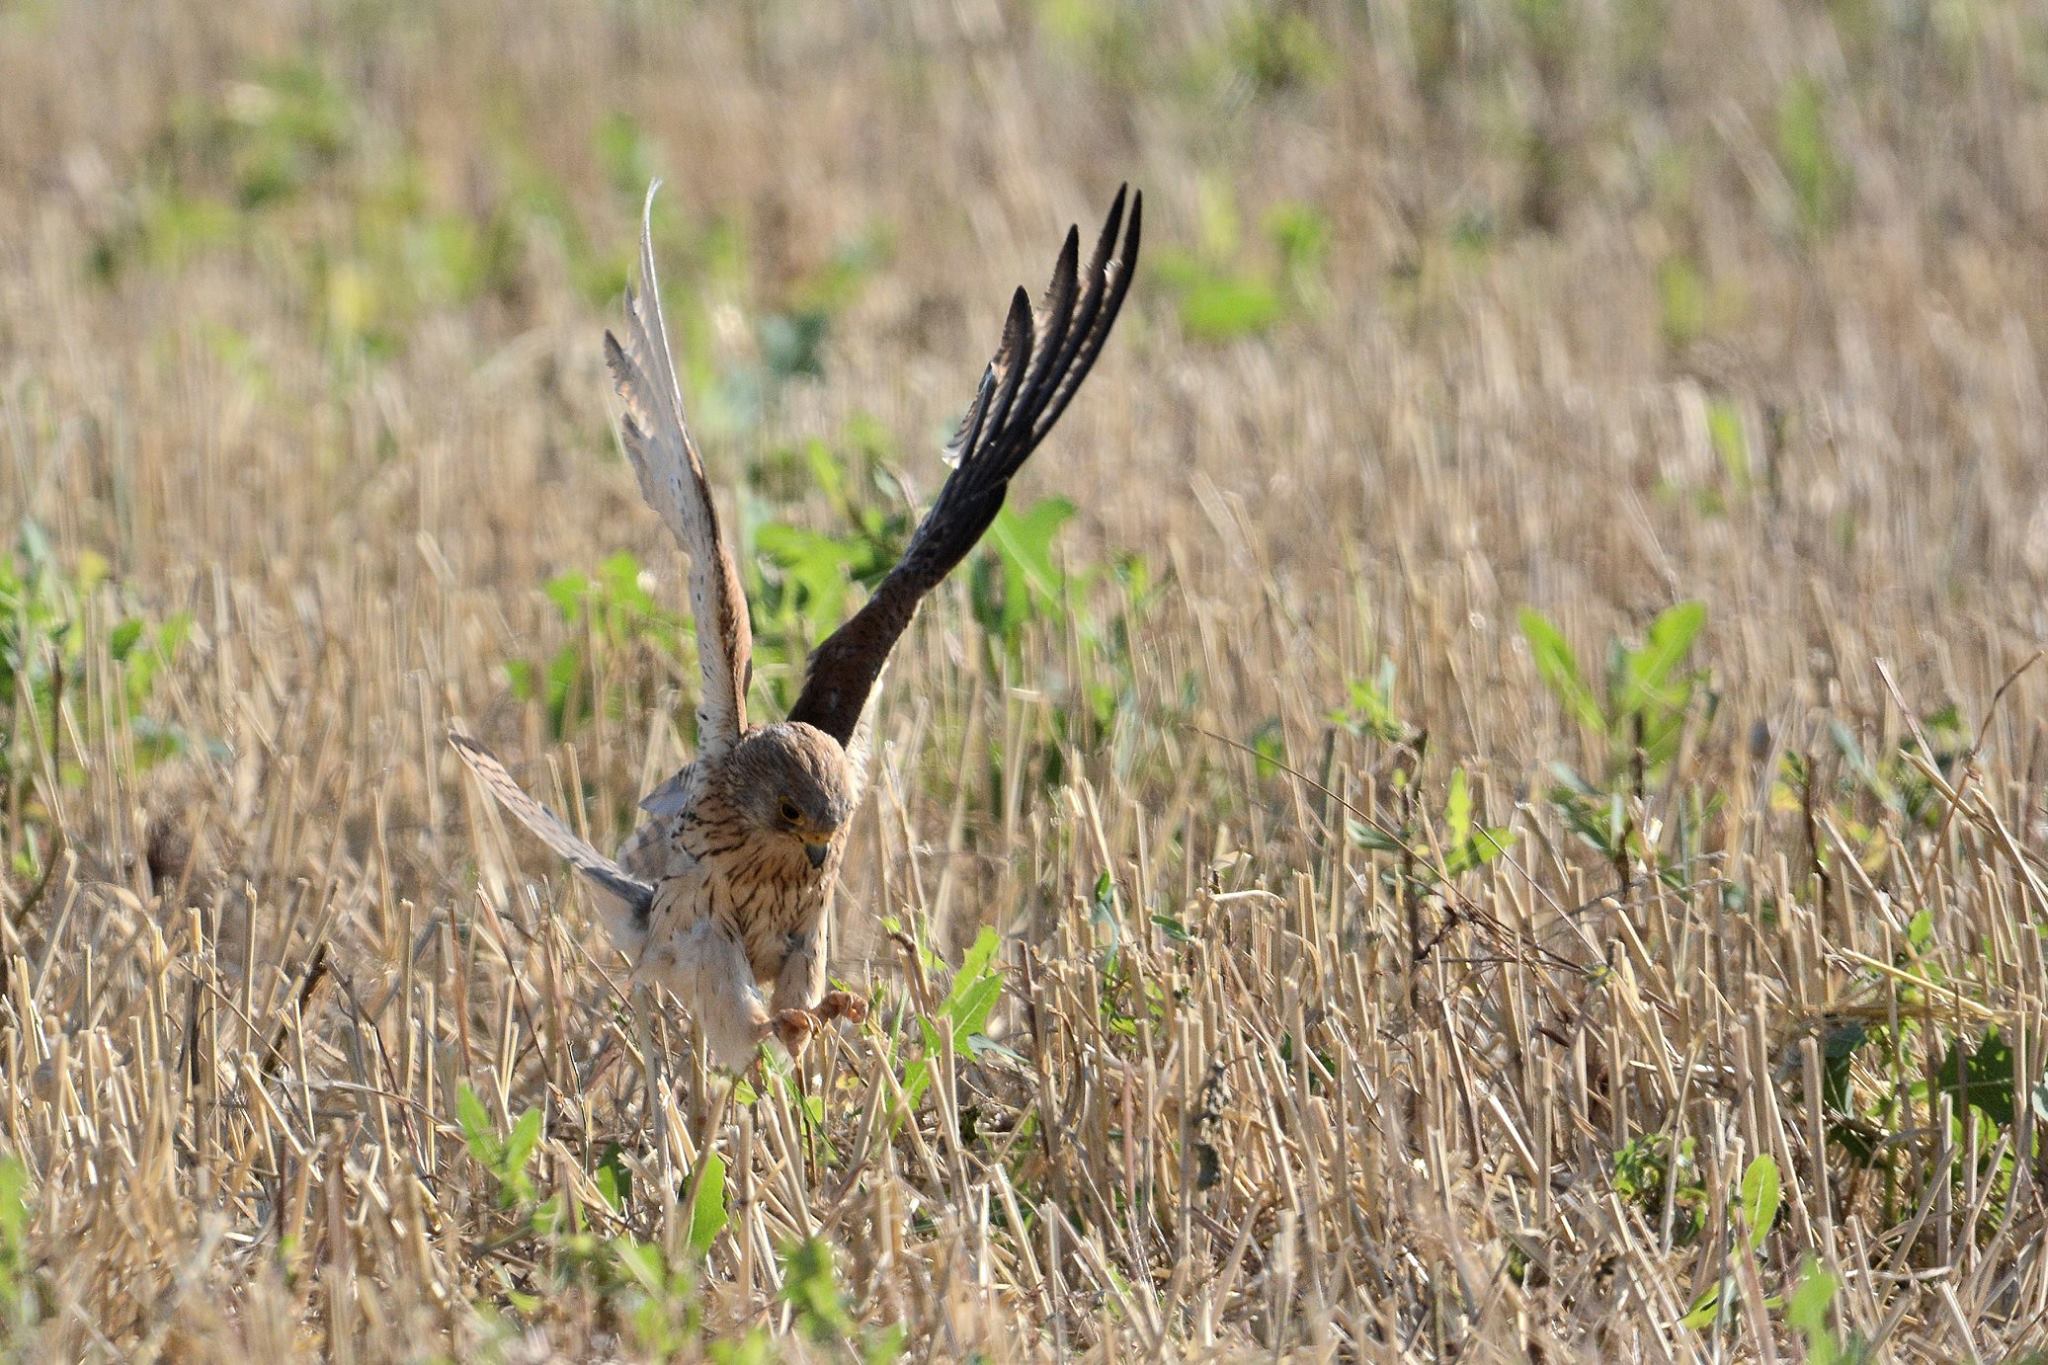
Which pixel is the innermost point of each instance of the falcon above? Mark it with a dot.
(719, 896)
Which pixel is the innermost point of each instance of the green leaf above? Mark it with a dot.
(642, 1263)
(614, 1179)
(1647, 676)
(123, 639)
(14, 1184)
(1806, 1311)
(1269, 749)
(885, 1346)
(975, 962)
(970, 1014)
(1705, 1309)
(1819, 178)
(478, 1133)
(1480, 849)
(1458, 809)
(1371, 837)
(1983, 1076)
(568, 591)
(525, 1137)
(709, 1217)
(1217, 307)
(809, 1288)
(1724, 430)
(1559, 670)
(1760, 1194)
(1025, 580)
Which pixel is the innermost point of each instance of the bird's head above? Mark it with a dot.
(792, 780)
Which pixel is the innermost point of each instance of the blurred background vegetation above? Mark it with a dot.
(1568, 490)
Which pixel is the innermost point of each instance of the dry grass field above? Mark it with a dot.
(1483, 802)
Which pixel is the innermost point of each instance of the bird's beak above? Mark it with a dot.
(817, 853)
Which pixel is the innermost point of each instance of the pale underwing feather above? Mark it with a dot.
(671, 475)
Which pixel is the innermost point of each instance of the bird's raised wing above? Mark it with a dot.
(672, 480)
(638, 895)
(1043, 359)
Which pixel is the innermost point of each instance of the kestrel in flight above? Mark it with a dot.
(723, 889)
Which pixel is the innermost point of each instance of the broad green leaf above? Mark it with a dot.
(1760, 1194)
(13, 1206)
(1705, 1309)
(970, 1015)
(614, 1179)
(1648, 674)
(525, 1137)
(1983, 1076)
(567, 591)
(1559, 669)
(975, 961)
(809, 1287)
(1806, 1311)
(477, 1130)
(709, 1218)
(123, 639)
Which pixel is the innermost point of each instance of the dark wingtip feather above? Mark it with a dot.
(1016, 364)
(999, 430)
(1070, 257)
(1018, 323)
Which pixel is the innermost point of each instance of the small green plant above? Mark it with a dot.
(1224, 290)
(1648, 691)
(1108, 35)
(792, 339)
(1807, 1311)
(1662, 1181)
(963, 1015)
(20, 1295)
(1819, 179)
(1276, 49)
(505, 1156)
(1465, 844)
(799, 579)
(1883, 803)
(274, 132)
(43, 649)
(1756, 1203)
(1637, 715)
(1017, 581)
(811, 1289)
(610, 612)
(629, 156)
(1369, 708)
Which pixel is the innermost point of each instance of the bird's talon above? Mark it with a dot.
(794, 1028)
(843, 1005)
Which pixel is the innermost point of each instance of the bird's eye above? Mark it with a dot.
(789, 811)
